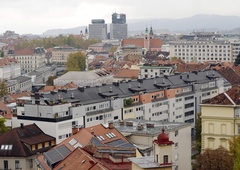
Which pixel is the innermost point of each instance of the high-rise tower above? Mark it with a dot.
(118, 27)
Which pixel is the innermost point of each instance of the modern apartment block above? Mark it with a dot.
(202, 51)
(173, 98)
(98, 29)
(61, 54)
(30, 59)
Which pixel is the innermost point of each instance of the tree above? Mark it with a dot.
(198, 127)
(237, 60)
(3, 89)
(76, 62)
(234, 148)
(50, 80)
(2, 54)
(3, 128)
(214, 159)
(128, 102)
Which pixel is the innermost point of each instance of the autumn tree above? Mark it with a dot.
(198, 127)
(214, 159)
(50, 80)
(3, 128)
(234, 148)
(76, 62)
(3, 89)
(1, 54)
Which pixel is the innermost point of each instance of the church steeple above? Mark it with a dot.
(151, 31)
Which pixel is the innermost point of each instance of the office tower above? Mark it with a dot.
(98, 29)
(118, 28)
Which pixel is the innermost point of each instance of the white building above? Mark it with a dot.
(202, 51)
(9, 68)
(30, 59)
(142, 133)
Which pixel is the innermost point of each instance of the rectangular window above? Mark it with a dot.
(17, 164)
(5, 162)
(189, 105)
(238, 129)
(165, 159)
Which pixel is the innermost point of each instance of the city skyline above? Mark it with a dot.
(25, 16)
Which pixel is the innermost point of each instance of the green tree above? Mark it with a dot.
(128, 102)
(198, 127)
(237, 60)
(3, 89)
(234, 148)
(50, 80)
(2, 54)
(3, 128)
(76, 62)
(214, 160)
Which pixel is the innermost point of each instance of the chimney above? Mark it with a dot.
(81, 89)
(92, 131)
(22, 125)
(74, 130)
(110, 125)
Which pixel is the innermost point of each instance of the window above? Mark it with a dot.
(5, 162)
(31, 163)
(189, 105)
(238, 129)
(176, 133)
(115, 117)
(189, 113)
(189, 97)
(165, 159)
(17, 164)
(176, 145)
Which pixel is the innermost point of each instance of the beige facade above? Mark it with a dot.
(219, 124)
(17, 163)
(61, 54)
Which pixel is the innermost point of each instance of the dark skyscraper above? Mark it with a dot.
(118, 28)
(118, 18)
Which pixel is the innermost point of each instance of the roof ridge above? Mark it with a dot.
(229, 98)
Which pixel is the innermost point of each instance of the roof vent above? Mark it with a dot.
(140, 127)
(129, 123)
(150, 125)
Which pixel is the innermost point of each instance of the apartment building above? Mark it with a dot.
(142, 132)
(220, 119)
(19, 84)
(30, 59)
(173, 98)
(202, 51)
(150, 71)
(9, 68)
(61, 54)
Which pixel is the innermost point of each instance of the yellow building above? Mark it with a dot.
(220, 119)
(162, 159)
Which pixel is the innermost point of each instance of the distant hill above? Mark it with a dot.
(196, 22)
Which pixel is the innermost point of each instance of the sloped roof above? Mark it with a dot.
(190, 67)
(82, 160)
(234, 79)
(7, 61)
(25, 51)
(15, 139)
(127, 73)
(231, 97)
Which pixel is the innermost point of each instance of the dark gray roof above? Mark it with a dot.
(127, 89)
(21, 79)
(120, 143)
(34, 73)
(57, 154)
(96, 142)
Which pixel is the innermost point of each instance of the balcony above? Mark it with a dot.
(45, 119)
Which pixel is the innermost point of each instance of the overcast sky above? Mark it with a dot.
(37, 16)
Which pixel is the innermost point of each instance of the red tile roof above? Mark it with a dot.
(7, 61)
(25, 51)
(191, 67)
(13, 97)
(223, 98)
(127, 73)
(79, 159)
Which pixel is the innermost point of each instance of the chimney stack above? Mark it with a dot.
(110, 125)
(92, 131)
(22, 125)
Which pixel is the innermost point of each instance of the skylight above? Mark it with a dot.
(6, 147)
(72, 142)
(78, 145)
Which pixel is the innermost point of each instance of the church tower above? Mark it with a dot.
(163, 150)
(146, 39)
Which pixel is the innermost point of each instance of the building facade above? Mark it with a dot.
(30, 59)
(202, 51)
(98, 29)
(61, 54)
(173, 98)
(220, 119)
(9, 68)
